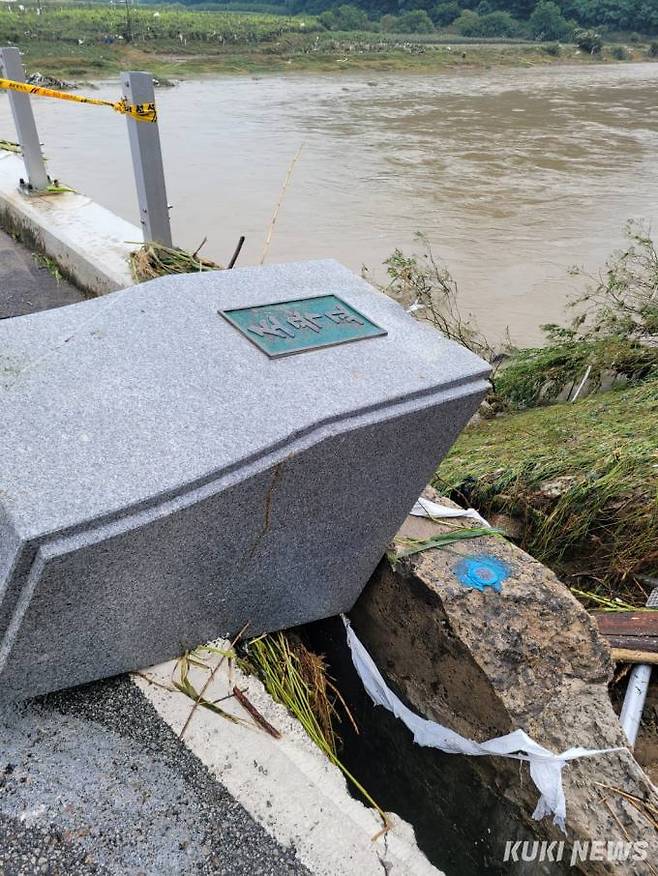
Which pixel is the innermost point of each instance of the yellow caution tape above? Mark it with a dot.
(142, 112)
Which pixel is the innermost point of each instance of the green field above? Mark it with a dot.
(92, 41)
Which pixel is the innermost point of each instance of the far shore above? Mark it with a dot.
(343, 54)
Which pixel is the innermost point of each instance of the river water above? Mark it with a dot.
(513, 174)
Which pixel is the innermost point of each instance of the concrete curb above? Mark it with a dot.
(90, 244)
(288, 785)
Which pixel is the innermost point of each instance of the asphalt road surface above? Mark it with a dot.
(93, 781)
(26, 283)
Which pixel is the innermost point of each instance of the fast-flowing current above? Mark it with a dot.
(513, 175)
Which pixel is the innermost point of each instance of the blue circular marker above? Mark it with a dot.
(482, 571)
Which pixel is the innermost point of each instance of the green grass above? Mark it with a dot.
(539, 374)
(148, 24)
(297, 678)
(597, 526)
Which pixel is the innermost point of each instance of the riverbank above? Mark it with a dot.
(580, 482)
(565, 452)
(576, 485)
(330, 54)
(90, 43)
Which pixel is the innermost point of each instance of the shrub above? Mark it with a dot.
(622, 300)
(499, 24)
(350, 18)
(424, 283)
(547, 22)
(412, 5)
(327, 19)
(389, 23)
(495, 24)
(620, 53)
(653, 50)
(613, 334)
(416, 21)
(553, 49)
(445, 13)
(589, 41)
(468, 23)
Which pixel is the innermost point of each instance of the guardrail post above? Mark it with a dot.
(147, 161)
(26, 128)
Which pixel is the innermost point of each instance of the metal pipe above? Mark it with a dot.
(636, 694)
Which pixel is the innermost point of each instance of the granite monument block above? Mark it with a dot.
(198, 452)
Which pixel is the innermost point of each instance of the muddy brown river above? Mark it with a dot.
(513, 174)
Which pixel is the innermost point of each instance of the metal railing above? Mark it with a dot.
(145, 149)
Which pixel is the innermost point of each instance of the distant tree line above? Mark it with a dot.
(539, 19)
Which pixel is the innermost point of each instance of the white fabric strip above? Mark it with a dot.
(427, 508)
(545, 766)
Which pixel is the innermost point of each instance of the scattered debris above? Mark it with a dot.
(410, 546)
(184, 685)
(156, 260)
(45, 81)
(236, 252)
(644, 807)
(255, 714)
(631, 630)
(275, 215)
(297, 678)
(625, 655)
(607, 604)
(9, 146)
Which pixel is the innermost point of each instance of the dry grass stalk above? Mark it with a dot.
(154, 260)
(255, 714)
(275, 215)
(646, 809)
(200, 698)
(297, 678)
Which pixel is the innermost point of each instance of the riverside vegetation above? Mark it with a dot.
(92, 40)
(566, 446)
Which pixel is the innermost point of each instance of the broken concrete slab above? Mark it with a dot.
(164, 481)
(485, 663)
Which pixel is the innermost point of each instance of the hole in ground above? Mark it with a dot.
(461, 825)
